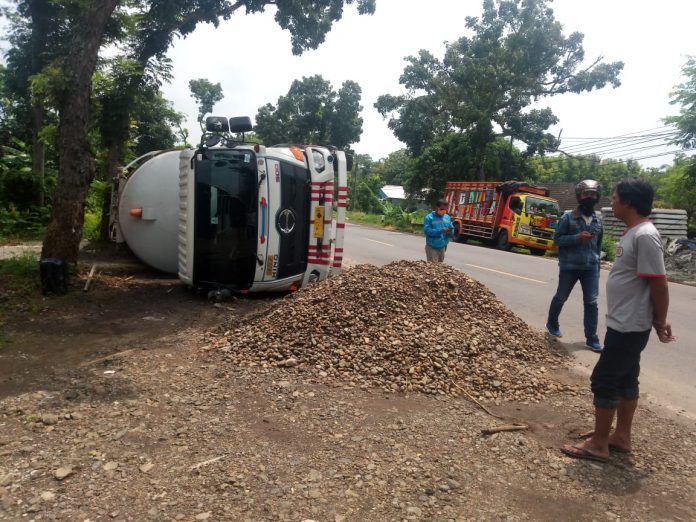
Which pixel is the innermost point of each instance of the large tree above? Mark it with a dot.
(684, 95)
(206, 94)
(156, 24)
(487, 83)
(76, 162)
(312, 112)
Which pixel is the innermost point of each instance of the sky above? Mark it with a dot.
(250, 56)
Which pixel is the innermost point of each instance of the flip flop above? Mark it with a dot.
(617, 449)
(577, 452)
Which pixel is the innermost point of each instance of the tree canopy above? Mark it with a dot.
(488, 82)
(684, 95)
(206, 94)
(312, 112)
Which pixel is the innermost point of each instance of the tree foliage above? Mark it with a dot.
(486, 83)
(312, 112)
(206, 94)
(684, 95)
(453, 157)
(396, 168)
(576, 168)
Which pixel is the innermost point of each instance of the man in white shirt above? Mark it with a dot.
(637, 301)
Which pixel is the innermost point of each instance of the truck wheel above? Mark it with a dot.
(502, 243)
(456, 233)
(537, 251)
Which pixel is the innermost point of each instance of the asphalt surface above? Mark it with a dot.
(526, 284)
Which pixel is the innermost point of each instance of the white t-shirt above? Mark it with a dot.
(638, 257)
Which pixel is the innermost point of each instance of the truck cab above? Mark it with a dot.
(531, 221)
(243, 217)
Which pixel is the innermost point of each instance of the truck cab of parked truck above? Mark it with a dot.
(506, 214)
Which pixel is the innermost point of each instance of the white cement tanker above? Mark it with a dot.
(235, 215)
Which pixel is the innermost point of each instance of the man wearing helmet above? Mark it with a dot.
(579, 239)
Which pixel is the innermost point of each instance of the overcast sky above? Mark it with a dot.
(250, 56)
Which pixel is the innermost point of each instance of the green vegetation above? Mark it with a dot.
(609, 247)
(363, 217)
(19, 285)
(94, 204)
(312, 112)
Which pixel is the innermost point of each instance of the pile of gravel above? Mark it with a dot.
(406, 326)
(680, 260)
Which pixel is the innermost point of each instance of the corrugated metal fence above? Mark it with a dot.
(670, 222)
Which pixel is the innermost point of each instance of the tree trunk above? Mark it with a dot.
(76, 164)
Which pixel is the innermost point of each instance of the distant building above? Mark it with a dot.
(396, 195)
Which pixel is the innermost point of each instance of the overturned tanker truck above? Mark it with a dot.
(234, 215)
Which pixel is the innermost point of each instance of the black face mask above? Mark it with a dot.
(587, 206)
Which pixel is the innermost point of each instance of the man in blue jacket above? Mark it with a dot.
(579, 239)
(437, 227)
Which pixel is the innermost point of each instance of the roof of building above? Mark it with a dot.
(393, 192)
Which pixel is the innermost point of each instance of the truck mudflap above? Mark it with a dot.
(325, 249)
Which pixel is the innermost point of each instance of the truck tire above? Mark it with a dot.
(502, 242)
(537, 251)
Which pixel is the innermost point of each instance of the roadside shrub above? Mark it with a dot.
(609, 247)
(94, 205)
(394, 216)
(27, 224)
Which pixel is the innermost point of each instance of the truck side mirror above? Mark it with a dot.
(349, 162)
(216, 124)
(240, 124)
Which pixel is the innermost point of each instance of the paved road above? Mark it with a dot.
(526, 284)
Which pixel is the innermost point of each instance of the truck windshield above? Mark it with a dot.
(226, 218)
(541, 207)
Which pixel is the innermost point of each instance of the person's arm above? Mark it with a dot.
(659, 295)
(562, 237)
(428, 228)
(651, 265)
(447, 225)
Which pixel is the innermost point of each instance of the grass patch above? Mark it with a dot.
(20, 286)
(362, 217)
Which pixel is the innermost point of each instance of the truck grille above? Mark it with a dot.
(542, 233)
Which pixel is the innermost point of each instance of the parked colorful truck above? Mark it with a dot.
(507, 214)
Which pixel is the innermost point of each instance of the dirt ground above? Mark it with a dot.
(114, 405)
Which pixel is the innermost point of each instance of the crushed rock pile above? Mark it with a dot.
(680, 259)
(407, 326)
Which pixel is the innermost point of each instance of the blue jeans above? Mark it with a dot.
(589, 280)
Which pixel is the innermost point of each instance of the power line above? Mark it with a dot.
(622, 148)
(622, 135)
